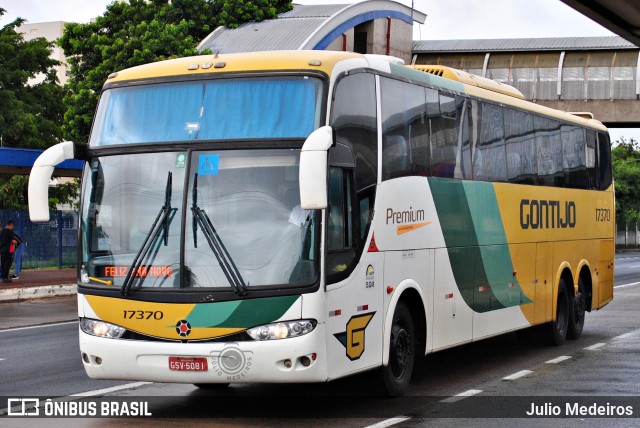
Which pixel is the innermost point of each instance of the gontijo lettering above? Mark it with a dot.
(540, 214)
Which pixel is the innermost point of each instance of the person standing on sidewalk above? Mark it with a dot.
(17, 257)
(8, 243)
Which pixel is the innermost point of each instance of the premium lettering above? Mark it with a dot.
(400, 217)
(541, 214)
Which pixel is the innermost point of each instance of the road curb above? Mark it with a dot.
(26, 293)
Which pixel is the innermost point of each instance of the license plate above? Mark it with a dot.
(185, 364)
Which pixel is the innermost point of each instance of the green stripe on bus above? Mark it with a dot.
(212, 314)
(240, 313)
(492, 239)
(476, 244)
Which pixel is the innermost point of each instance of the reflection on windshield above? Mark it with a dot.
(146, 255)
(250, 198)
(125, 195)
(218, 248)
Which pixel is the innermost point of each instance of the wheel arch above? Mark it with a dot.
(584, 273)
(408, 292)
(564, 272)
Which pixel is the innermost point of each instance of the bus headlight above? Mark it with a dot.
(101, 328)
(282, 330)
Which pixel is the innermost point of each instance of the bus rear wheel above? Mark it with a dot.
(396, 376)
(577, 309)
(557, 330)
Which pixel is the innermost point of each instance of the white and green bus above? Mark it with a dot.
(305, 216)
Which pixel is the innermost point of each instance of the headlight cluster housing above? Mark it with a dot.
(282, 330)
(101, 328)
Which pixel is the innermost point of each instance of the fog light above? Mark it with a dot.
(305, 361)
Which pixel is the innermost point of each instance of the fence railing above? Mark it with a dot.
(47, 244)
(628, 235)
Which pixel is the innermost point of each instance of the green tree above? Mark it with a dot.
(138, 32)
(626, 173)
(30, 113)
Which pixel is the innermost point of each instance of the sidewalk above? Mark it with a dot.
(39, 283)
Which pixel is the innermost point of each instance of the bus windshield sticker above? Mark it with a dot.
(208, 164)
(181, 159)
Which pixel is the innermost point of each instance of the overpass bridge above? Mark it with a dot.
(595, 74)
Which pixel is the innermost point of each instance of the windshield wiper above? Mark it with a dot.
(227, 265)
(161, 224)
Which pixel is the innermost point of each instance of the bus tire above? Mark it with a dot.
(212, 386)
(557, 330)
(396, 376)
(577, 310)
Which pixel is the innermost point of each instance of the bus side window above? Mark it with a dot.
(590, 159)
(604, 161)
(405, 132)
(444, 138)
(549, 151)
(341, 252)
(489, 161)
(573, 157)
(521, 147)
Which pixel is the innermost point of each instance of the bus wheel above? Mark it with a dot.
(397, 374)
(576, 313)
(212, 386)
(558, 329)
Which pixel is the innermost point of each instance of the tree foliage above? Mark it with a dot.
(138, 32)
(626, 173)
(31, 108)
(30, 114)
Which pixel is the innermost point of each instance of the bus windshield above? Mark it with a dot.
(223, 109)
(246, 202)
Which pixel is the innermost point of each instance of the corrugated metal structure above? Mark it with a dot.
(559, 69)
(522, 45)
(309, 27)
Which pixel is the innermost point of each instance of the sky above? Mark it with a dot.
(446, 19)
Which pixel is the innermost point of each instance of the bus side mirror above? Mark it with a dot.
(41, 175)
(313, 169)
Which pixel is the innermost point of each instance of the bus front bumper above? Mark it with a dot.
(299, 359)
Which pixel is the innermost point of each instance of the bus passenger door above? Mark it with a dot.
(354, 290)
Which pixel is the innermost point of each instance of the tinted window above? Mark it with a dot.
(549, 151)
(405, 129)
(604, 161)
(573, 157)
(444, 141)
(521, 147)
(489, 162)
(354, 121)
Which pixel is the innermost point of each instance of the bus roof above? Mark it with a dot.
(224, 63)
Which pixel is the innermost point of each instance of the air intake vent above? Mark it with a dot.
(469, 79)
(430, 70)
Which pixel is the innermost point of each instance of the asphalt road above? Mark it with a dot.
(500, 378)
